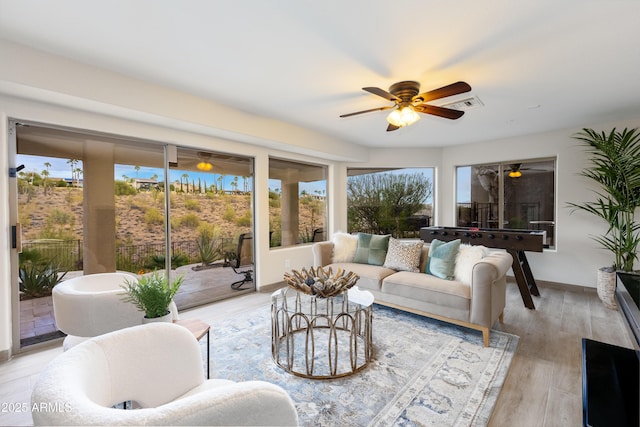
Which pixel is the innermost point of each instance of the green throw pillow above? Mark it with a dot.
(442, 258)
(372, 249)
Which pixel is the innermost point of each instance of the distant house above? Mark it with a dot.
(143, 184)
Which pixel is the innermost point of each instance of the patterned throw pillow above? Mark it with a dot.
(372, 249)
(442, 258)
(344, 247)
(403, 255)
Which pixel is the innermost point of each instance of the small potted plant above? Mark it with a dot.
(152, 294)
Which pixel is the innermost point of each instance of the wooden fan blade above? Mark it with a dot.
(447, 113)
(392, 127)
(445, 91)
(367, 111)
(381, 92)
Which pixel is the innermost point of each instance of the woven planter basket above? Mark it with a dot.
(606, 287)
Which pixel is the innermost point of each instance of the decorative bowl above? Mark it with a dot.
(320, 282)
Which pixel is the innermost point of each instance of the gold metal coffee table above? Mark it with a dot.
(314, 337)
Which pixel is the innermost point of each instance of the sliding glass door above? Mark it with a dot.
(89, 203)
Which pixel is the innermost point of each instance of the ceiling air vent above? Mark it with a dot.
(464, 104)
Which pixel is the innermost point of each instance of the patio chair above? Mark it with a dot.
(318, 235)
(244, 259)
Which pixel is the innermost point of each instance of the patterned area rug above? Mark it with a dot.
(423, 373)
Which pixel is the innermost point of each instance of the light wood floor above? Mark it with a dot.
(543, 387)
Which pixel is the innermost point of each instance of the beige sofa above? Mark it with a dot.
(476, 305)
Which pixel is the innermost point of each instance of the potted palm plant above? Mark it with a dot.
(614, 165)
(153, 294)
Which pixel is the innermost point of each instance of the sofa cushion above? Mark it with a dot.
(403, 255)
(468, 256)
(344, 247)
(372, 249)
(371, 276)
(442, 258)
(428, 288)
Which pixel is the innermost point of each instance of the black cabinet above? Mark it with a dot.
(610, 385)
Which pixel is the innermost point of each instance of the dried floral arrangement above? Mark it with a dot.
(320, 282)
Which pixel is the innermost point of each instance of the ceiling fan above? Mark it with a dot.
(515, 170)
(408, 102)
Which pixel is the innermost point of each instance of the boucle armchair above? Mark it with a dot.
(158, 367)
(92, 305)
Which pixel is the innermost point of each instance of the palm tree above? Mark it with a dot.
(78, 173)
(615, 167)
(186, 180)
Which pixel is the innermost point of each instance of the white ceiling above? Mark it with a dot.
(536, 65)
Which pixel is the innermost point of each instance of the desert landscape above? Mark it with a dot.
(140, 216)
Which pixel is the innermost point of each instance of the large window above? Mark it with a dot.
(515, 195)
(389, 201)
(297, 202)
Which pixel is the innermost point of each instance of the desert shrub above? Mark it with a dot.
(229, 213)
(153, 217)
(60, 217)
(192, 205)
(58, 225)
(244, 220)
(74, 196)
(274, 199)
(33, 256)
(190, 220)
(135, 203)
(124, 189)
(175, 223)
(276, 239)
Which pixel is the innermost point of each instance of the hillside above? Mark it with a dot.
(140, 217)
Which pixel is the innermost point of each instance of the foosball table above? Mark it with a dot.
(515, 242)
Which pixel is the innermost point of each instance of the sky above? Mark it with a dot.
(463, 184)
(61, 169)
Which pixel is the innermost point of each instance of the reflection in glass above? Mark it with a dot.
(518, 195)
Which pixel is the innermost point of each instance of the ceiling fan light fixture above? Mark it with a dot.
(204, 166)
(403, 116)
(515, 174)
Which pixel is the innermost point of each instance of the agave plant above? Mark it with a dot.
(209, 244)
(615, 167)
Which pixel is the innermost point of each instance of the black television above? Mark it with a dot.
(628, 297)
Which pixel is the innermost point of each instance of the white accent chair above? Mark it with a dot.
(158, 367)
(92, 305)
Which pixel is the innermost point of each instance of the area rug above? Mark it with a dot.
(424, 372)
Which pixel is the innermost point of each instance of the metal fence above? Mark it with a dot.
(68, 253)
